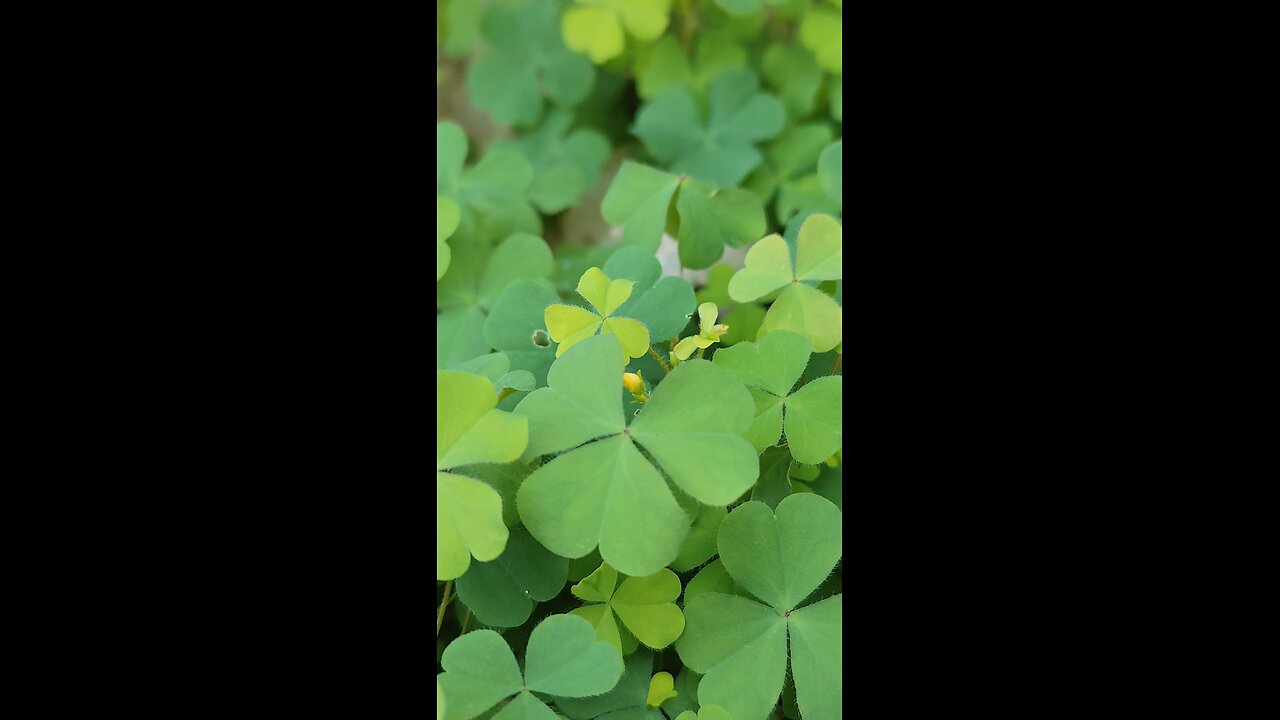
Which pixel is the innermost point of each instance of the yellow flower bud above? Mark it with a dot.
(632, 383)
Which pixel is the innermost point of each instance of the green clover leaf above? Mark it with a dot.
(794, 74)
(746, 7)
(741, 645)
(490, 193)
(516, 317)
(822, 31)
(628, 700)
(831, 171)
(810, 417)
(663, 304)
(603, 492)
(645, 606)
(564, 163)
(502, 592)
(526, 57)
(477, 278)
(792, 171)
(595, 26)
(799, 308)
(709, 333)
(447, 217)
(713, 578)
(721, 150)
(563, 659)
(700, 545)
(462, 23)
(704, 218)
(665, 66)
(706, 712)
(468, 431)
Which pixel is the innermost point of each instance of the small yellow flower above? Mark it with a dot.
(709, 335)
(634, 384)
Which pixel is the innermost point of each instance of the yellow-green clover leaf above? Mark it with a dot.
(570, 324)
(708, 332)
(661, 689)
(740, 644)
(594, 27)
(810, 417)
(799, 308)
(563, 659)
(645, 605)
(469, 430)
(603, 492)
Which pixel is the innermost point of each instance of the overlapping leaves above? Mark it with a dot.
(469, 430)
(595, 27)
(811, 416)
(604, 492)
(741, 645)
(799, 308)
(644, 605)
(563, 659)
(704, 219)
(719, 149)
(524, 59)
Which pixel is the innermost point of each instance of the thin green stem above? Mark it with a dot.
(466, 621)
(658, 357)
(443, 604)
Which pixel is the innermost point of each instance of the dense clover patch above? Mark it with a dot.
(639, 353)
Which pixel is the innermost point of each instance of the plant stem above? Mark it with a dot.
(658, 357)
(836, 368)
(466, 621)
(443, 604)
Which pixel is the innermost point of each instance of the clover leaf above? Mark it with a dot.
(563, 659)
(705, 218)
(564, 163)
(514, 323)
(447, 217)
(490, 193)
(468, 431)
(792, 171)
(746, 7)
(743, 319)
(741, 645)
(524, 58)
(799, 308)
(831, 170)
(502, 592)
(720, 150)
(628, 700)
(476, 279)
(570, 324)
(810, 417)
(706, 712)
(709, 333)
(603, 492)
(462, 21)
(794, 74)
(594, 27)
(645, 606)
(822, 31)
(665, 65)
